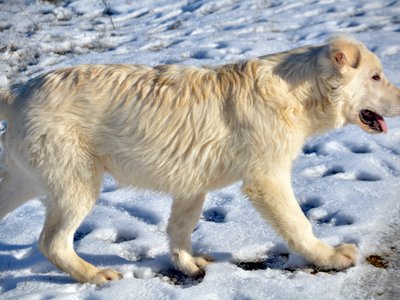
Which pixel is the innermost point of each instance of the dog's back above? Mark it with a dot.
(162, 122)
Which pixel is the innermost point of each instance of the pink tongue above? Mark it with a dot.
(382, 123)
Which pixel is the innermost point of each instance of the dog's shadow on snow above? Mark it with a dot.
(43, 271)
(40, 268)
(10, 283)
(9, 247)
(8, 262)
(33, 258)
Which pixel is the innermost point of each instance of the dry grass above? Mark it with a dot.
(377, 261)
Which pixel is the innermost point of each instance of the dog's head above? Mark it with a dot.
(366, 94)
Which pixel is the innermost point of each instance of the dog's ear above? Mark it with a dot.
(344, 54)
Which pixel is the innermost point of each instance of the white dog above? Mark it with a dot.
(185, 131)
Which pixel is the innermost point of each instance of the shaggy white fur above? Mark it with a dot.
(185, 131)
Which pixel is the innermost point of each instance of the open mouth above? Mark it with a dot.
(373, 121)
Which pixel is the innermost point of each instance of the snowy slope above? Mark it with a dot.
(346, 181)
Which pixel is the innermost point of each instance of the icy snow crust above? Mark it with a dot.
(347, 181)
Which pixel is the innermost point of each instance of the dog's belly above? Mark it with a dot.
(173, 175)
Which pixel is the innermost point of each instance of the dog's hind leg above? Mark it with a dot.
(185, 214)
(74, 185)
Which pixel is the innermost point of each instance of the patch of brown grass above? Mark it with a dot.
(377, 261)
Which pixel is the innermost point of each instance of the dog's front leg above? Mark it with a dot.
(272, 195)
(185, 214)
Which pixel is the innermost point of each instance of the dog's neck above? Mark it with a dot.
(316, 90)
(287, 82)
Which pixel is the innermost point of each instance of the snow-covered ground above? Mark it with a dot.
(347, 182)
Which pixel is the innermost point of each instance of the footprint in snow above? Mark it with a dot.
(336, 219)
(216, 215)
(310, 204)
(82, 232)
(339, 172)
(177, 278)
(124, 236)
(312, 209)
(333, 171)
(359, 148)
(147, 216)
(275, 261)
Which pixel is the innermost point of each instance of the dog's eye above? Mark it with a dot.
(376, 77)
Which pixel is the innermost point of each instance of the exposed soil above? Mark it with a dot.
(377, 261)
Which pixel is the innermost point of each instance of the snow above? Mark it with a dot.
(346, 181)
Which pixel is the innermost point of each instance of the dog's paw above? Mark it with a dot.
(190, 265)
(104, 276)
(345, 255)
(341, 257)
